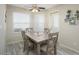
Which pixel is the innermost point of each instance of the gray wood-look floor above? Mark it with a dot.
(17, 49)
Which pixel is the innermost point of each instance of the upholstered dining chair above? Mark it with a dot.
(51, 47)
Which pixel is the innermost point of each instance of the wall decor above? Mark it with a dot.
(71, 17)
(72, 21)
(68, 15)
(77, 14)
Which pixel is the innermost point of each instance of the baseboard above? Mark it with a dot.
(70, 49)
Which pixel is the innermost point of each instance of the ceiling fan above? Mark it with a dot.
(35, 8)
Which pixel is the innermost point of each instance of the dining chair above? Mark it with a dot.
(24, 40)
(46, 30)
(29, 29)
(27, 44)
(51, 47)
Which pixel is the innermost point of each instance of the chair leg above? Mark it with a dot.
(24, 47)
(55, 50)
(27, 51)
(27, 46)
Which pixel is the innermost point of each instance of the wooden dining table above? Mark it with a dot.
(38, 39)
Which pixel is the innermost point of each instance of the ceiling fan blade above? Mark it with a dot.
(41, 7)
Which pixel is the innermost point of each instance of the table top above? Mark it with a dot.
(37, 37)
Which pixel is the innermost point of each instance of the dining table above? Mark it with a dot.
(38, 38)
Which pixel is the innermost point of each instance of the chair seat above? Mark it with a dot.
(54, 36)
(43, 48)
(50, 50)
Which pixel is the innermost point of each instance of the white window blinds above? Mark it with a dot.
(55, 22)
(39, 22)
(21, 21)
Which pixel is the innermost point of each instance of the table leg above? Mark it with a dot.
(38, 49)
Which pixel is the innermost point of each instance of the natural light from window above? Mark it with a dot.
(39, 22)
(55, 22)
(21, 21)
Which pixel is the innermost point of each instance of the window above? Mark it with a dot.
(39, 22)
(55, 22)
(20, 21)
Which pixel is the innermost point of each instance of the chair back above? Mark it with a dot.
(52, 43)
(46, 30)
(53, 38)
(23, 34)
(29, 29)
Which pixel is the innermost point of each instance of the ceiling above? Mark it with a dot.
(27, 6)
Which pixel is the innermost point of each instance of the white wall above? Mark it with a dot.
(69, 34)
(2, 28)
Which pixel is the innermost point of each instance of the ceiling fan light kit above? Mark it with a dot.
(35, 8)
